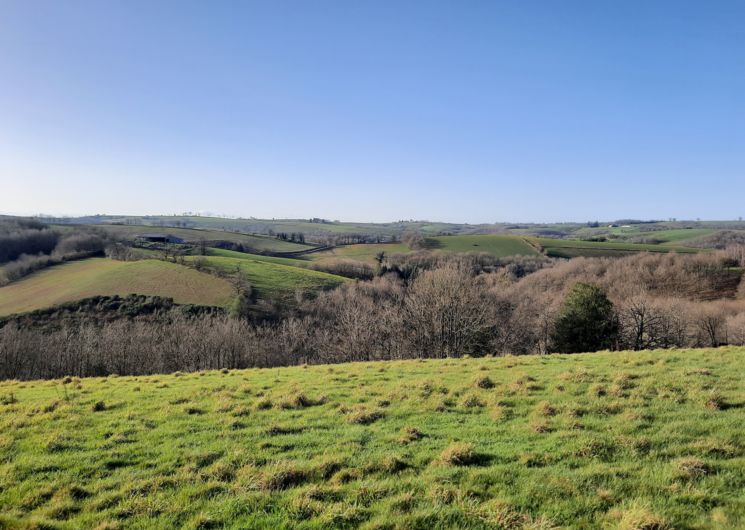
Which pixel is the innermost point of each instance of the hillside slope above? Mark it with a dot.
(572, 248)
(634, 440)
(496, 245)
(192, 235)
(499, 246)
(273, 278)
(99, 276)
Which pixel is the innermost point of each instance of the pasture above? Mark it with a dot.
(571, 248)
(632, 440)
(363, 252)
(193, 235)
(496, 245)
(273, 280)
(75, 280)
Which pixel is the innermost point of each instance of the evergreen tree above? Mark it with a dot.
(587, 321)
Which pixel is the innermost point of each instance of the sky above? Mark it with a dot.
(461, 111)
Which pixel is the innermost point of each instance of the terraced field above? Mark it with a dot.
(100, 276)
(629, 440)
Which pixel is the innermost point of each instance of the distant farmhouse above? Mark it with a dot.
(160, 238)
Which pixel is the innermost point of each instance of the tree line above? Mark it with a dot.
(27, 245)
(424, 305)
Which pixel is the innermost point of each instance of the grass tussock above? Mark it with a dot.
(393, 445)
(484, 382)
(459, 454)
(638, 517)
(693, 467)
(363, 416)
(410, 434)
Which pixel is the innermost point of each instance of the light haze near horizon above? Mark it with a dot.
(374, 111)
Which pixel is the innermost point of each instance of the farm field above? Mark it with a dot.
(100, 276)
(499, 246)
(675, 237)
(274, 280)
(631, 440)
(256, 242)
(261, 226)
(398, 228)
(570, 248)
(496, 245)
(221, 252)
(362, 252)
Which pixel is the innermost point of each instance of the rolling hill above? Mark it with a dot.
(256, 242)
(365, 253)
(272, 280)
(571, 248)
(496, 245)
(99, 276)
(578, 230)
(629, 440)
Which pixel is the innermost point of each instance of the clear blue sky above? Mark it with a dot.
(374, 110)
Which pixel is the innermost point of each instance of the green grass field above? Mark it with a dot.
(293, 262)
(500, 246)
(571, 248)
(630, 440)
(365, 253)
(273, 280)
(256, 242)
(676, 237)
(503, 246)
(99, 276)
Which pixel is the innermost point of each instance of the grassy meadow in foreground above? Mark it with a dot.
(626, 440)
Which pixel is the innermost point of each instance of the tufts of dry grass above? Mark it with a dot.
(459, 454)
(692, 467)
(410, 434)
(637, 517)
(484, 382)
(362, 416)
